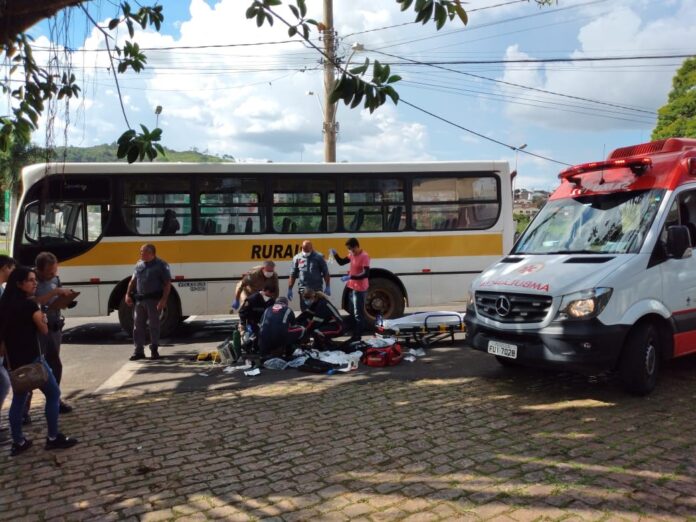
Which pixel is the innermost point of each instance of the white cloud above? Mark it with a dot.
(626, 29)
(243, 101)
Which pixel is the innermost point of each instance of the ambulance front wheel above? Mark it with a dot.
(640, 359)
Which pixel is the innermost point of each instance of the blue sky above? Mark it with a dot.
(251, 102)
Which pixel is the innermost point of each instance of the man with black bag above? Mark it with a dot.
(148, 291)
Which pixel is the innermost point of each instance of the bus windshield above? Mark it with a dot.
(615, 223)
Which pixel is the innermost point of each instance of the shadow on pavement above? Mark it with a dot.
(507, 442)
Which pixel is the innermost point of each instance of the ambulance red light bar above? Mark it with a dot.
(637, 165)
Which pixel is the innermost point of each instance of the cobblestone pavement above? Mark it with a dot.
(523, 445)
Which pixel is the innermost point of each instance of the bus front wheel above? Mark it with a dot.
(385, 298)
(170, 317)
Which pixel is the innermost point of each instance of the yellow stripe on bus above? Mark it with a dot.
(226, 250)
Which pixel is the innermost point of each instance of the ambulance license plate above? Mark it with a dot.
(502, 349)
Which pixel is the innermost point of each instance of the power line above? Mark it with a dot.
(490, 24)
(470, 131)
(532, 102)
(512, 84)
(550, 60)
(411, 23)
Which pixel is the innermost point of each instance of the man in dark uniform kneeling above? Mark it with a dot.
(278, 330)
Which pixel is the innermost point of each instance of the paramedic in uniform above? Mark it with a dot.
(253, 308)
(254, 281)
(148, 289)
(357, 282)
(321, 319)
(278, 330)
(310, 269)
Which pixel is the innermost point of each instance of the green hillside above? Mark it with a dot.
(107, 153)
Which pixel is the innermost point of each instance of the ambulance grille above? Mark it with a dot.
(513, 308)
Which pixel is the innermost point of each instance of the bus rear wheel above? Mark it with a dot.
(170, 317)
(385, 298)
(640, 359)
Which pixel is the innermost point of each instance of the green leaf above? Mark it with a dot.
(461, 13)
(303, 7)
(132, 154)
(251, 11)
(391, 92)
(113, 23)
(394, 78)
(292, 31)
(359, 95)
(358, 70)
(337, 90)
(131, 29)
(440, 16)
(295, 11)
(260, 17)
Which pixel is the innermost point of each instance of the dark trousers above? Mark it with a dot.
(145, 315)
(19, 407)
(356, 305)
(50, 348)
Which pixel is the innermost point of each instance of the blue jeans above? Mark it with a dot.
(356, 301)
(4, 385)
(52, 393)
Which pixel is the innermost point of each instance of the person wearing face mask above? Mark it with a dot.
(253, 308)
(255, 280)
(311, 270)
(321, 319)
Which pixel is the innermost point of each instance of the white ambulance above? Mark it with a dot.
(604, 277)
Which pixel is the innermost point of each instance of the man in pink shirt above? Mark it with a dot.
(357, 282)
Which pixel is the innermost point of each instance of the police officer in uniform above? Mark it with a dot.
(310, 269)
(148, 290)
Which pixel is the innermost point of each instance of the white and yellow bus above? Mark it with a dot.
(429, 228)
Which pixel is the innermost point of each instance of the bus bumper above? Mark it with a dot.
(584, 346)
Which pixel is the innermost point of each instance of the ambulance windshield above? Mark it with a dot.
(615, 223)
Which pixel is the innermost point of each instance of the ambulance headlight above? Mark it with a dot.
(470, 300)
(585, 304)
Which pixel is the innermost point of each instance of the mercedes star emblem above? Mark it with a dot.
(502, 306)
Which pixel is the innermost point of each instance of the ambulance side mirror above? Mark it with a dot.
(678, 242)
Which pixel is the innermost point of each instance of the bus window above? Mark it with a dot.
(304, 206)
(231, 206)
(157, 205)
(373, 205)
(63, 222)
(455, 203)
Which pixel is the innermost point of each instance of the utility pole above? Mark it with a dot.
(330, 126)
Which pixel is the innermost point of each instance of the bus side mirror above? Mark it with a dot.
(678, 242)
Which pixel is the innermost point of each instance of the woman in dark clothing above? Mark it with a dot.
(322, 320)
(21, 320)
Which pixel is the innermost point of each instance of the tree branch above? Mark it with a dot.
(111, 59)
(18, 15)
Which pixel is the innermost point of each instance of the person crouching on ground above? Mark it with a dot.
(321, 319)
(148, 289)
(21, 321)
(255, 280)
(278, 331)
(252, 310)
